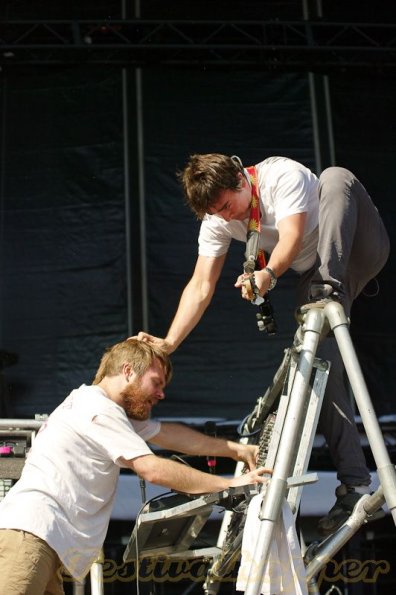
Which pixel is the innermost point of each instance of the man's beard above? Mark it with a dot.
(136, 401)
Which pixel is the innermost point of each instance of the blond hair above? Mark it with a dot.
(138, 354)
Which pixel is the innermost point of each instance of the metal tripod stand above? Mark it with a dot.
(264, 426)
(315, 321)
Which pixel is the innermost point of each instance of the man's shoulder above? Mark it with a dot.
(276, 171)
(281, 164)
(87, 400)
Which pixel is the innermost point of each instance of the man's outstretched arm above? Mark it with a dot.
(181, 478)
(195, 299)
(182, 438)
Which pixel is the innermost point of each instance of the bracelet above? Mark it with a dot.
(274, 279)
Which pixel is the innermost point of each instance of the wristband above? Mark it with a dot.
(274, 280)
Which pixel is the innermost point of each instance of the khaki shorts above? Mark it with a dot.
(28, 566)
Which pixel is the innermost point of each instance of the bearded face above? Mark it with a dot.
(138, 400)
(141, 393)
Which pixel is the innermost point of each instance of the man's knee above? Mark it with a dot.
(336, 179)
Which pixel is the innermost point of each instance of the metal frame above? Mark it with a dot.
(286, 44)
(315, 321)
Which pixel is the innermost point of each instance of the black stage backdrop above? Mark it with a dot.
(63, 246)
(63, 241)
(63, 225)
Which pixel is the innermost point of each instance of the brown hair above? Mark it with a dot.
(205, 176)
(139, 354)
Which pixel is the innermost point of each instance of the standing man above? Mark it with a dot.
(59, 510)
(326, 229)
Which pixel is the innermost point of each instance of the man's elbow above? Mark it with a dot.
(147, 468)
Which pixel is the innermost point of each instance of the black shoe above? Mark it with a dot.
(340, 512)
(347, 498)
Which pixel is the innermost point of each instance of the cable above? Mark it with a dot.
(180, 459)
(247, 434)
(333, 588)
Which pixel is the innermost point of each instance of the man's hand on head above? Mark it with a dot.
(157, 341)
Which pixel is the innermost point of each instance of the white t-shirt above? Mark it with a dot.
(66, 491)
(286, 187)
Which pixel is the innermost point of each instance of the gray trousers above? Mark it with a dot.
(353, 247)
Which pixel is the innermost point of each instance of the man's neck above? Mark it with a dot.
(111, 388)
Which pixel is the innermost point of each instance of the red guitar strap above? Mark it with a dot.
(254, 225)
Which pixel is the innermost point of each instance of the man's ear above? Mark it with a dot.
(243, 178)
(127, 371)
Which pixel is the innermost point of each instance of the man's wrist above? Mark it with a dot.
(273, 278)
